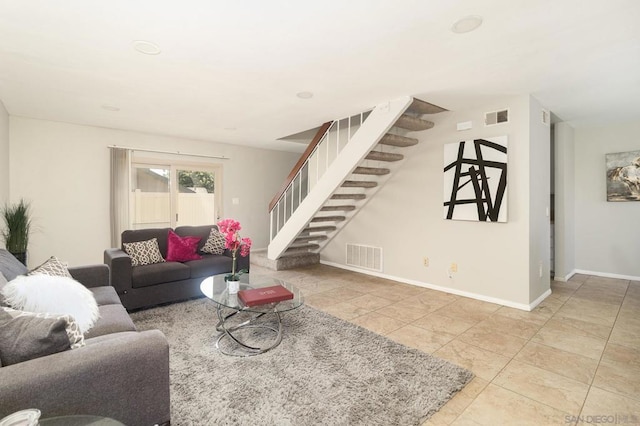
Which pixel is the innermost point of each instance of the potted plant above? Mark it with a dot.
(17, 228)
(230, 229)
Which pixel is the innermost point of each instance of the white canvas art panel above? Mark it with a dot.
(475, 180)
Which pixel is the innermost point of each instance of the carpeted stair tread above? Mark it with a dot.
(413, 124)
(326, 228)
(421, 107)
(384, 156)
(301, 248)
(309, 238)
(337, 208)
(359, 184)
(328, 219)
(371, 171)
(397, 140)
(348, 196)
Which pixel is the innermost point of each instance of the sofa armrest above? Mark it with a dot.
(124, 376)
(119, 263)
(91, 275)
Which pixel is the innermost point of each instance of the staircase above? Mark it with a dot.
(343, 168)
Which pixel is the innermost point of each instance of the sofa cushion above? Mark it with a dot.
(113, 319)
(52, 267)
(132, 236)
(28, 337)
(10, 266)
(105, 295)
(143, 276)
(182, 249)
(144, 252)
(202, 232)
(59, 295)
(215, 243)
(76, 339)
(209, 265)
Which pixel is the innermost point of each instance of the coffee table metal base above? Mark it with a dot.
(245, 348)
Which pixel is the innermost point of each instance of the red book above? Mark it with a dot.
(264, 295)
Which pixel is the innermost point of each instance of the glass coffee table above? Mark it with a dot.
(243, 330)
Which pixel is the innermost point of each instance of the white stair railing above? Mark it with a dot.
(298, 204)
(326, 151)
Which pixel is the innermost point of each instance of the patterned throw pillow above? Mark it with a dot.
(215, 243)
(76, 338)
(144, 252)
(52, 267)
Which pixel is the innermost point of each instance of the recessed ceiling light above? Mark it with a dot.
(304, 95)
(146, 47)
(466, 24)
(110, 107)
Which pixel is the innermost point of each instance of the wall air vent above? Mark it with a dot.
(363, 256)
(546, 117)
(496, 117)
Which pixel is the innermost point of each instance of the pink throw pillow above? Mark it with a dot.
(181, 249)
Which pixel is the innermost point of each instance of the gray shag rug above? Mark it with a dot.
(325, 372)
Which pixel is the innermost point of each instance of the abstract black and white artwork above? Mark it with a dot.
(475, 180)
(623, 176)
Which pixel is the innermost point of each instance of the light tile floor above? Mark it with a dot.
(574, 360)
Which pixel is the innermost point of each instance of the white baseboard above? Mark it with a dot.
(565, 278)
(607, 275)
(509, 303)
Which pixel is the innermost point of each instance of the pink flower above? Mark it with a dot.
(245, 247)
(229, 226)
(232, 240)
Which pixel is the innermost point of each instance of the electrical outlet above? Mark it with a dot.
(425, 261)
(540, 269)
(454, 267)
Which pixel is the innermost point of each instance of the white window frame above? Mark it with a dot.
(173, 165)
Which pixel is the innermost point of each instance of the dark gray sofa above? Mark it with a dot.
(120, 373)
(150, 285)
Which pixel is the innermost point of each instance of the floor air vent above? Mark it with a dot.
(363, 256)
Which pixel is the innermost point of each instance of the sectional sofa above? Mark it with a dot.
(120, 373)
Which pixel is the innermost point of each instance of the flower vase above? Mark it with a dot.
(233, 286)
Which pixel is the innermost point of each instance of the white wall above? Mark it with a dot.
(63, 169)
(4, 155)
(607, 234)
(406, 216)
(564, 148)
(539, 202)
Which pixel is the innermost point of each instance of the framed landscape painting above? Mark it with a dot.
(623, 176)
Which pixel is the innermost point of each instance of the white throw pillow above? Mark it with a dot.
(54, 295)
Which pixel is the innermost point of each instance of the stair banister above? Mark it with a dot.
(303, 158)
(378, 122)
(284, 204)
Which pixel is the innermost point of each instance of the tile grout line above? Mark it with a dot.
(513, 357)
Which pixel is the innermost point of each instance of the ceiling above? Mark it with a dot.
(230, 71)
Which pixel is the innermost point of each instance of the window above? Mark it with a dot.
(171, 194)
